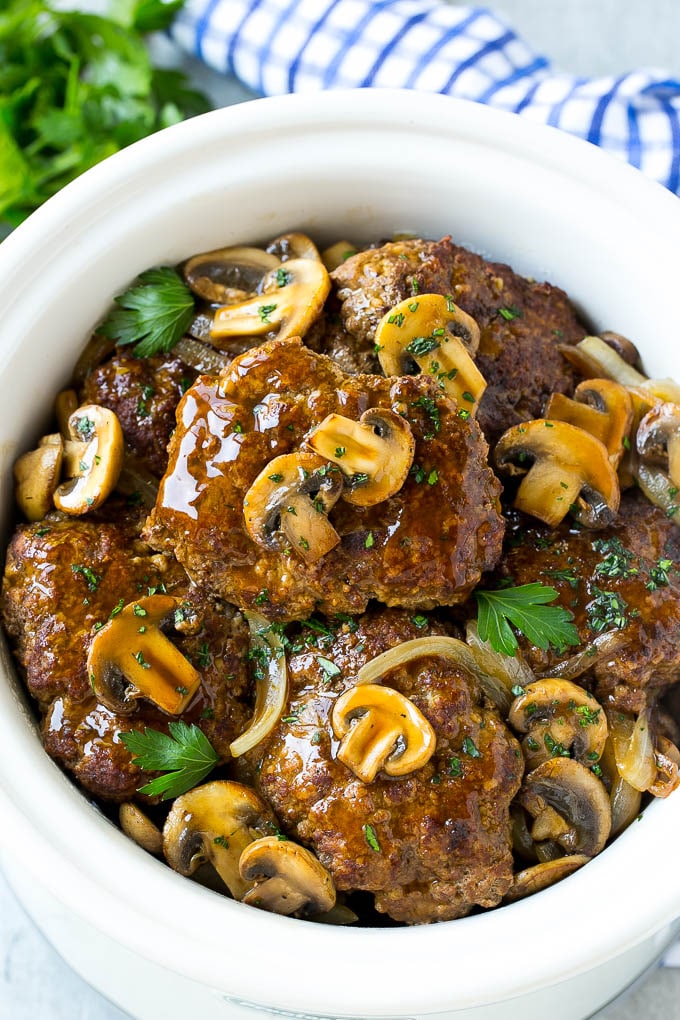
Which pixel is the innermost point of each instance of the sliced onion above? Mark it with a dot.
(271, 689)
(596, 359)
(339, 914)
(434, 647)
(633, 749)
(497, 672)
(202, 357)
(625, 800)
(600, 648)
(136, 478)
(96, 350)
(657, 487)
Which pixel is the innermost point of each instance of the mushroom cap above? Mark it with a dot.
(430, 331)
(140, 828)
(293, 245)
(130, 658)
(36, 476)
(600, 406)
(577, 796)
(375, 453)
(287, 308)
(288, 504)
(658, 438)
(540, 876)
(215, 822)
(562, 464)
(381, 729)
(99, 436)
(559, 716)
(288, 878)
(219, 276)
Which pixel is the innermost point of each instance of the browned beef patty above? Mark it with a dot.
(144, 393)
(521, 321)
(426, 545)
(430, 845)
(624, 580)
(63, 579)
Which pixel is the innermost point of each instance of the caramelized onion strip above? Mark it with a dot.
(633, 745)
(603, 646)
(267, 648)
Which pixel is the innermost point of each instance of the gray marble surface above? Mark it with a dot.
(583, 36)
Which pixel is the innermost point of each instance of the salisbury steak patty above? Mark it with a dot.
(144, 393)
(625, 581)
(426, 545)
(67, 577)
(521, 321)
(430, 845)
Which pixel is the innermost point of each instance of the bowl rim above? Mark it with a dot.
(148, 912)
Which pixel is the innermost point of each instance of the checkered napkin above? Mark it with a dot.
(279, 46)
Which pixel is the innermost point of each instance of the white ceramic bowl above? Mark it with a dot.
(357, 165)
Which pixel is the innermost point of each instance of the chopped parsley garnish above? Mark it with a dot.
(568, 576)
(418, 474)
(422, 345)
(397, 320)
(510, 313)
(264, 311)
(92, 579)
(186, 756)
(555, 749)
(221, 841)
(204, 656)
(420, 621)
(139, 656)
(658, 575)
(282, 277)
(525, 608)
(589, 716)
(371, 838)
(433, 477)
(261, 597)
(470, 748)
(455, 768)
(429, 406)
(368, 544)
(329, 667)
(617, 561)
(154, 313)
(608, 609)
(275, 477)
(340, 452)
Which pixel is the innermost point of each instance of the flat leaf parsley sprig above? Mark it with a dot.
(525, 607)
(154, 313)
(186, 756)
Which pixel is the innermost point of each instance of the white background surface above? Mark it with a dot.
(583, 36)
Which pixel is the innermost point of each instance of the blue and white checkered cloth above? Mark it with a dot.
(279, 46)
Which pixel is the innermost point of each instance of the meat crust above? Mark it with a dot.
(624, 580)
(521, 321)
(144, 394)
(442, 832)
(63, 579)
(425, 546)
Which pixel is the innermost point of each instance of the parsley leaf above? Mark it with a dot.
(186, 756)
(525, 608)
(76, 87)
(154, 313)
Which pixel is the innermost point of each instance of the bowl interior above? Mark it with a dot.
(356, 166)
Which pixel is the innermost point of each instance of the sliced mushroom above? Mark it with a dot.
(140, 828)
(228, 275)
(431, 333)
(565, 468)
(577, 796)
(540, 876)
(94, 459)
(215, 823)
(288, 503)
(374, 454)
(658, 439)
(286, 878)
(624, 347)
(131, 658)
(291, 299)
(337, 254)
(380, 729)
(601, 407)
(559, 718)
(293, 246)
(36, 477)
(64, 406)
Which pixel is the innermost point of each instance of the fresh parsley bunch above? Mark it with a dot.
(75, 88)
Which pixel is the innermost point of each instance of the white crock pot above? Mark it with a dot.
(352, 165)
